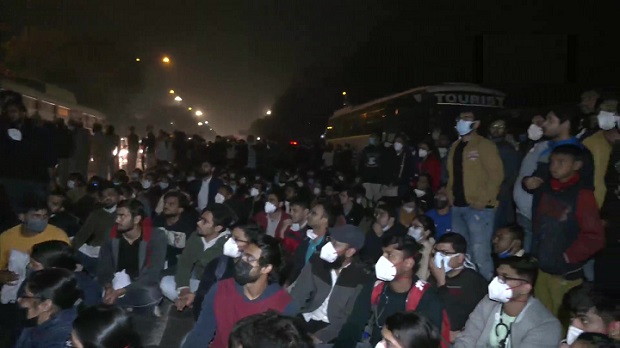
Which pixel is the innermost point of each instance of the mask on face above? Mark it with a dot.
(506, 253)
(36, 225)
(380, 344)
(359, 200)
(372, 141)
(243, 181)
(70, 184)
(607, 120)
(499, 292)
(310, 234)
(329, 253)
(231, 249)
(163, 185)
(219, 198)
(110, 210)
(443, 260)
(243, 273)
(398, 147)
(441, 203)
(146, 184)
(254, 192)
(316, 191)
(443, 151)
(416, 232)
(535, 132)
(295, 227)
(191, 178)
(572, 334)
(464, 127)
(300, 184)
(385, 270)
(423, 153)
(270, 207)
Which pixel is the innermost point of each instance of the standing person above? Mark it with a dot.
(133, 145)
(99, 152)
(510, 315)
(64, 147)
(82, 138)
(430, 163)
(369, 168)
(476, 174)
(523, 199)
(399, 169)
(148, 143)
(28, 159)
(163, 149)
(511, 161)
(113, 142)
(253, 289)
(567, 227)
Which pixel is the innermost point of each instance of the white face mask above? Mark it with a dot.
(385, 270)
(329, 253)
(270, 207)
(443, 260)
(535, 132)
(254, 192)
(231, 249)
(398, 147)
(607, 120)
(464, 127)
(295, 227)
(572, 334)
(499, 292)
(70, 184)
(380, 344)
(310, 234)
(110, 210)
(317, 191)
(416, 232)
(423, 153)
(219, 198)
(443, 151)
(359, 200)
(163, 185)
(146, 184)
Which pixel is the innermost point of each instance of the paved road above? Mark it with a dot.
(166, 331)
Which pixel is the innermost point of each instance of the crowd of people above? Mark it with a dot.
(484, 241)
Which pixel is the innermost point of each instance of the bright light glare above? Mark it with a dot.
(166, 60)
(257, 138)
(137, 59)
(177, 98)
(344, 93)
(171, 91)
(199, 123)
(268, 112)
(190, 109)
(198, 113)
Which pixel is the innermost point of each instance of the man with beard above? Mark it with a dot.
(132, 259)
(203, 191)
(96, 229)
(178, 221)
(253, 289)
(328, 285)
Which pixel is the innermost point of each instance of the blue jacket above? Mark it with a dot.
(53, 333)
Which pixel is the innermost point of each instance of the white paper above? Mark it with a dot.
(18, 261)
(90, 251)
(121, 280)
(419, 193)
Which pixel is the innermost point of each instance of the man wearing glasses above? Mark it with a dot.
(253, 289)
(510, 316)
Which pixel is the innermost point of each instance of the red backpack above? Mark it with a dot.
(413, 299)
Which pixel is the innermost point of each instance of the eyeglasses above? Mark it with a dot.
(26, 297)
(503, 279)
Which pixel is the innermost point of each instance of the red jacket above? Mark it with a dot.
(261, 220)
(431, 166)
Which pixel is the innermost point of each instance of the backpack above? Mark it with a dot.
(413, 299)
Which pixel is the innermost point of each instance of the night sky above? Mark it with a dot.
(234, 59)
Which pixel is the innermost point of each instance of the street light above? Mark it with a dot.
(190, 108)
(198, 113)
(344, 93)
(206, 122)
(166, 60)
(171, 91)
(199, 124)
(137, 59)
(177, 98)
(268, 112)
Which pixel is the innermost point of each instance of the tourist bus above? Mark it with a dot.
(415, 113)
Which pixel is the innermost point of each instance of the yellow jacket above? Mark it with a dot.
(601, 151)
(483, 172)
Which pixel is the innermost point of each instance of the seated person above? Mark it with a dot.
(134, 253)
(385, 226)
(204, 245)
(459, 285)
(424, 192)
(296, 226)
(441, 213)
(353, 211)
(593, 311)
(269, 329)
(422, 229)
(594, 340)
(510, 316)
(58, 205)
(105, 327)
(272, 218)
(409, 329)
(508, 241)
(328, 285)
(398, 290)
(253, 289)
(58, 254)
(49, 298)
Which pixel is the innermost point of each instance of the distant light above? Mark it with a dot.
(344, 93)
(294, 143)
(330, 127)
(206, 122)
(268, 112)
(137, 59)
(210, 129)
(177, 98)
(166, 60)
(322, 136)
(199, 123)
(171, 91)
(190, 108)
(171, 122)
(198, 113)
(258, 138)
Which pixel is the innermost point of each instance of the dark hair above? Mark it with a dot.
(269, 330)
(584, 297)
(105, 327)
(570, 113)
(251, 232)
(517, 232)
(135, 207)
(33, 203)
(180, 196)
(389, 208)
(597, 340)
(228, 189)
(222, 215)
(573, 151)
(413, 330)
(278, 192)
(428, 224)
(302, 203)
(407, 245)
(54, 254)
(55, 284)
(78, 178)
(526, 266)
(329, 210)
(271, 254)
(108, 185)
(459, 243)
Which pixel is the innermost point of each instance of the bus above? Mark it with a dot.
(415, 112)
(51, 102)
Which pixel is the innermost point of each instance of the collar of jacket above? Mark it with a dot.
(351, 276)
(147, 230)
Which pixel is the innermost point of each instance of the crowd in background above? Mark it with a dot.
(489, 240)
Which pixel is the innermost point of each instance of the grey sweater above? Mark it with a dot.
(522, 198)
(535, 327)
